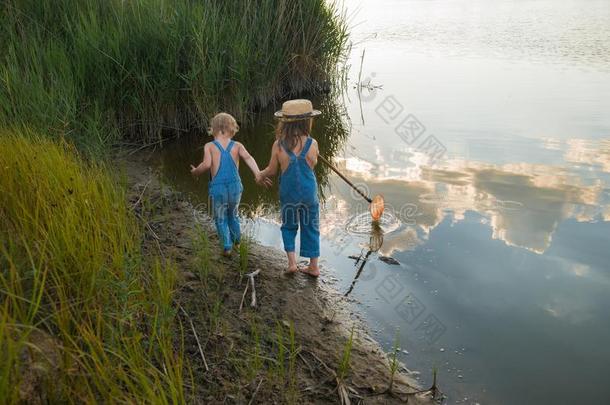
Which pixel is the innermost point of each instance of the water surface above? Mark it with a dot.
(499, 222)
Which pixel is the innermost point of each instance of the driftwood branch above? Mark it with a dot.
(141, 194)
(243, 297)
(251, 277)
(249, 284)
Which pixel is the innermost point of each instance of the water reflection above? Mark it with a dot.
(523, 203)
(591, 154)
(375, 243)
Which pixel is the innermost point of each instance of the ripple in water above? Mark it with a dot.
(362, 224)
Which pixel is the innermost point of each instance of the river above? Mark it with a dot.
(486, 127)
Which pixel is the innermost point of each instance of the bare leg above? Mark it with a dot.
(313, 269)
(292, 262)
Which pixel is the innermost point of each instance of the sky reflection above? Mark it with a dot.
(523, 203)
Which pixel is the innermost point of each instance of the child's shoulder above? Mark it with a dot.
(238, 146)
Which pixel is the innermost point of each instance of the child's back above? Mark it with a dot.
(296, 154)
(216, 148)
(298, 183)
(311, 154)
(221, 157)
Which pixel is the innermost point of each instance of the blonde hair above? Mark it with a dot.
(290, 132)
(224, 123)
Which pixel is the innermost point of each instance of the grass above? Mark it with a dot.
(270, 356)
(203, 253)
(244, 253)
(344, 364)
(343, 369)
(261, 356)
(82, 316)
(99, 71)
(393, 359)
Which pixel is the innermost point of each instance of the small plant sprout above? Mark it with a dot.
(393, 359)
(244, 251)
(344, 365)
(201, 245)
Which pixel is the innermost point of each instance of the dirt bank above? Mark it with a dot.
(290, 348)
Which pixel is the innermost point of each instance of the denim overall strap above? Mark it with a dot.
(288, 151)
(227, 169)
(298, 181)
(306, 148)
(230, 146)
(220, 148)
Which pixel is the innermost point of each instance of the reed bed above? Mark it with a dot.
(99, 71)
(82, 318)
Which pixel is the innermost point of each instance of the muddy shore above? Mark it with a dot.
(234, 352)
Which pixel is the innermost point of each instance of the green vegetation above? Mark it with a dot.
(244, 252)
(203, 259)
(99, 71)
(260, 356)
(344, 364)
(85, 315)
(82, 316)
(393, 359)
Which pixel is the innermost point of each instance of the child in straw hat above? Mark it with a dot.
(295, 152)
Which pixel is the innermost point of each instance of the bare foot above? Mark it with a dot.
(291, 270)
(227, 253)
(311, 271)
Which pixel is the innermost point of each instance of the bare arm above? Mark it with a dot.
(206, 164)
(247, 157)
(271, 169)
(313, 155)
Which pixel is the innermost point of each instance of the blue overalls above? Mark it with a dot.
(225, 191)
(300, 205)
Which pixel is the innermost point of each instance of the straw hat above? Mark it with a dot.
(296, 110)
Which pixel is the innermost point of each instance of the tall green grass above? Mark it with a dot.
(82, 318)
(96, 71)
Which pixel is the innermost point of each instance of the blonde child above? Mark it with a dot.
(295, 152)
(221, 157)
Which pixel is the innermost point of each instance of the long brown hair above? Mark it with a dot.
(290, 132)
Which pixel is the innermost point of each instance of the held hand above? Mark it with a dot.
(263, 181)
(267, 182)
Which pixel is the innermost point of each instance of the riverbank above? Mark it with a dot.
(301, 344)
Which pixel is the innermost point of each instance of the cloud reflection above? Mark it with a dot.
(524, 202)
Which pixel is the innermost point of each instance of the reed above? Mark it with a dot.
(82, 316)
(99, 71)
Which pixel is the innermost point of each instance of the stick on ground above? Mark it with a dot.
(205, 363)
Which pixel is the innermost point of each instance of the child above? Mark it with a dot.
(221, 157)
(297, 154)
